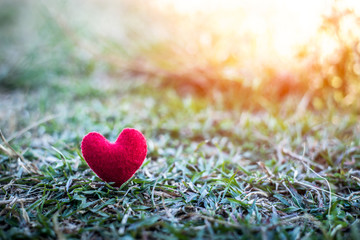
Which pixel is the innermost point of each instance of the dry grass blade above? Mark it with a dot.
(10, 149)
(352, 198)
(320, 189)
(34, 125)
(356, 178)
(17, 200)
(301, 158)
(28, 166)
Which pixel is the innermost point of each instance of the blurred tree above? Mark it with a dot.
(338, 64)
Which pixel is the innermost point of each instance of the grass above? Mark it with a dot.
(227, 164)
(210, 173)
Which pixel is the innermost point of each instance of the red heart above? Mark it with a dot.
(115, 162)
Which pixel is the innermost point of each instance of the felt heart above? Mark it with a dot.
(115, 162)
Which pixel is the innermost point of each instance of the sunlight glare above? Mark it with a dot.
(278, 26)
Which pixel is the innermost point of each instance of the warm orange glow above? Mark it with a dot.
(292, 44)
(277, 27)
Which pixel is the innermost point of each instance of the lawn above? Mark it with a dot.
(209, 172)
(259, 168)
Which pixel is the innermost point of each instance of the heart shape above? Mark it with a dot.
(115, 162)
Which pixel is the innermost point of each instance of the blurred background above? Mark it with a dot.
(241, 53)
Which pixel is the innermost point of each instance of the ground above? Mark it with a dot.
(211, 172)
(226, 160)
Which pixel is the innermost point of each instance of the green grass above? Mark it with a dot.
(210, 173)
(228, 163)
